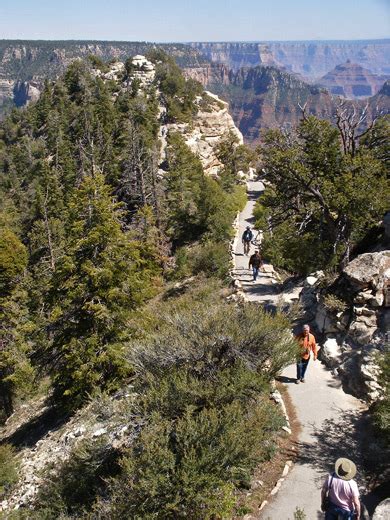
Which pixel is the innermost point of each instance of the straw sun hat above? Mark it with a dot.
(345, 469)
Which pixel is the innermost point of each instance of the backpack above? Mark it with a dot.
(247, 236)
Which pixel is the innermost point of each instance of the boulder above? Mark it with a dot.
(363, 297)
(377, 300)
(367, 270)
(382, 511)
(362, 330)
(331, 352)
(364, 311)
(268, 268)
(310, 281)
(325, 322)
(343, 320)
(360, 374)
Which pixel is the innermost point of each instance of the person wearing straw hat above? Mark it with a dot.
(342, 492)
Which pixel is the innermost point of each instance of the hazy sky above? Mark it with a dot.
(194, 20)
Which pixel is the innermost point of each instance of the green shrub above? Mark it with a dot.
(8, 469)
(334, 304)
(203, 386)
(179, 93)
(188, 468)
(180, 387)
(210, 258)
(205, 420)
(98, 63)
(74, 486)
(382, 408)
(13, 259)
(299, 514)
(296, 253)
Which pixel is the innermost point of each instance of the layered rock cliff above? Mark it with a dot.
(311, 59)
(263, 97)
(351, 80)
(352, 316)
(206, 130)
(267, 97)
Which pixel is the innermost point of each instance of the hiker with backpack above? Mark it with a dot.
(340, 493)
(255, 262)
(247, 237)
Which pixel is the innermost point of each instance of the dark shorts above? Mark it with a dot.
(337, 513)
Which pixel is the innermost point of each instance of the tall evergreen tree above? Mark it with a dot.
(98, 283)
(16, 372)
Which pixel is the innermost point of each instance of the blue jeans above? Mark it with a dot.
(301, 368)
(255, 272)
(336, 513)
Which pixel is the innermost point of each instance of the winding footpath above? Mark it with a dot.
(330, 420)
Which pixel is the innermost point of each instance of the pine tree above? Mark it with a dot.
(16, 373)
(98, 283)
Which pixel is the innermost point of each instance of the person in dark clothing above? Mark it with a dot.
(247, 237)
(255, 262)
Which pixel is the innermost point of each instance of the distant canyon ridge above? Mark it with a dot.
(265, 83)
(310, 59)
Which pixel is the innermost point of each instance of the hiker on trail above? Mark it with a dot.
(255, 262)
(247, 237)
(307, 344)
(340, 494)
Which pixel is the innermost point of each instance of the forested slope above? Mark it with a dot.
(130, 386)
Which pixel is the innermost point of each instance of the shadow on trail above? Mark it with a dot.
(250, 220)
(260, 289)
(335, 383)
(254, 194)
(349, 436)
(285, 379)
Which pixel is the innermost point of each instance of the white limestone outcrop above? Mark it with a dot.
(206, 130)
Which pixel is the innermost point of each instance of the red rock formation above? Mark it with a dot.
(352, 81)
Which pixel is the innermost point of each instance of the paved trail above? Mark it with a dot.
(329, 418)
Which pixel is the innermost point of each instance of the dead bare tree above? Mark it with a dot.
(351, 124)
(48, 231)
(303, 110)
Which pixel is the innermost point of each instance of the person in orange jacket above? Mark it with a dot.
(307, 344)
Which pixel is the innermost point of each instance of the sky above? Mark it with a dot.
(194, 20)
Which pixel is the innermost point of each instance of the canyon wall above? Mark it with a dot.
(311, 59)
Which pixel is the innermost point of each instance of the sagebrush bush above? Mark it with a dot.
(209, 335)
